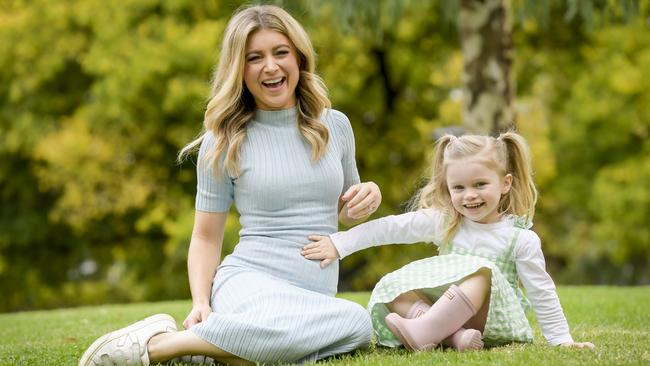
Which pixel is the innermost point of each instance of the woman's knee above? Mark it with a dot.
(360, 325)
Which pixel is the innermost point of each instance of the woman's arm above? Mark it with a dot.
(203, 258)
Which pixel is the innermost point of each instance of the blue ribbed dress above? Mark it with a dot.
(269, 303)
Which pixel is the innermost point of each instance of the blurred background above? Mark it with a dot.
(97, 97)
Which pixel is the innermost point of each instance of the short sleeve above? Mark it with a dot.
(213, 194)
(342, 131)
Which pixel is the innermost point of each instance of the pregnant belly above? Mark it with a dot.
(282, 259)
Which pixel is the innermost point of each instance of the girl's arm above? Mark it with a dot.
(203, 258)
(408, 228)
(541, 291)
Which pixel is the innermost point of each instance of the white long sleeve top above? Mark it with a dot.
(427, 226)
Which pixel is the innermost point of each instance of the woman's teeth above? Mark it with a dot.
(273, 82)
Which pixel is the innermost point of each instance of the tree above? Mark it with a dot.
(546, 25)
(488, 89)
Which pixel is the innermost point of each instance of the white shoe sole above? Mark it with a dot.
(91, 352)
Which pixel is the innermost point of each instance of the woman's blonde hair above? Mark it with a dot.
(231, 106)
(506, 154)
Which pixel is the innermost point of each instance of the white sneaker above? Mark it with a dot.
(127, 346)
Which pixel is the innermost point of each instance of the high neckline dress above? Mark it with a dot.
(270, 304)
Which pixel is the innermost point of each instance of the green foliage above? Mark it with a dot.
(97, 97)
(611, 317)
(601, 134)
(590, 94)
(94, 109)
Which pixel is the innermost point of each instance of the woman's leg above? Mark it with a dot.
(165, 346)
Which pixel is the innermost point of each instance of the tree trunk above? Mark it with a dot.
(485, 28)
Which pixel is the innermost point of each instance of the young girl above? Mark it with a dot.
(477, 208)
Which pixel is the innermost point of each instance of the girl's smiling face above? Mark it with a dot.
(271, 70)
(476, 190)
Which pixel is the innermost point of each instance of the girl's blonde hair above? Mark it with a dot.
(506, 154)
(231, 106)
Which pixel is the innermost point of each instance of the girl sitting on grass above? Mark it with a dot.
(477, 208)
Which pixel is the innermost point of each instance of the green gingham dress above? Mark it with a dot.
(506, 318)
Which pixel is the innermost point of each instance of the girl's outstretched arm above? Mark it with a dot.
(411, 227)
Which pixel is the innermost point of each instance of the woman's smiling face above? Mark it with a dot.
(271, 70)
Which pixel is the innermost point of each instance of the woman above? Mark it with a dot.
(271, 145)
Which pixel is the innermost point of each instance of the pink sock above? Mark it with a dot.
(442, 320)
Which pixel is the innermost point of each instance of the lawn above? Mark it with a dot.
(616, 319)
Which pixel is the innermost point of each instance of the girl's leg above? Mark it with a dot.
(479, 320)
(165, 346)
(465, 338)
(477, 287)
(403, 304)
(446, 316)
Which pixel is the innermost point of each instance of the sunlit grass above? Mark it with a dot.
(616, 319)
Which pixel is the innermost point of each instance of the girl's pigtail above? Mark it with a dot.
(436, 193)
(521, 198)
(438, 174)
(425, 197)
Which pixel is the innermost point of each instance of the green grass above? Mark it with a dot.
(616, 319)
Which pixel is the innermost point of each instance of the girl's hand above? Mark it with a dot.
(198, 314)
(579, 345)
(361, 200)
(322, 248)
